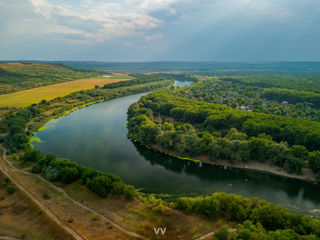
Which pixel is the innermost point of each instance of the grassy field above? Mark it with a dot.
(27, 97)
(17, 76)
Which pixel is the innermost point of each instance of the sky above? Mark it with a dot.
(160, 30)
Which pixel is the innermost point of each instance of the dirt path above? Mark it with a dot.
(204, 237)
(110, 221)
(8, 238)
(37, 202)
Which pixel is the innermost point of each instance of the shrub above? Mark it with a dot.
(129, 192)
(32, 156)
(314, 161)
(36, 168)
(95, 218)
(51, 173)
(10, 189)
(69, 174)
(222, 234)
(46, 196)
(100, 185)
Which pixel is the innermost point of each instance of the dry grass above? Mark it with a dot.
(141, 218)
(20, 218)
(27, 97)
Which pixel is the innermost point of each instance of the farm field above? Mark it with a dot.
(27, 97)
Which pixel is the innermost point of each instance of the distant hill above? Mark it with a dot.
(206, 68)
(16, 76)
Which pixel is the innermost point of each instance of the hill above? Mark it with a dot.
(16, 76)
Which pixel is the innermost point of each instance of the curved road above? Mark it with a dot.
(50, 213)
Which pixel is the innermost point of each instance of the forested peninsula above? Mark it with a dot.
(236, 122)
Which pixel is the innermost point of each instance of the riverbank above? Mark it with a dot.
(307, 174)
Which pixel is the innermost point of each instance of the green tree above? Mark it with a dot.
(314, 161)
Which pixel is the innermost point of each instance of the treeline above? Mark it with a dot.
(55, 169)
(292, 96)
(307, 83)
(219, 132)
(137, 79)
(256, 217)
(17, 137)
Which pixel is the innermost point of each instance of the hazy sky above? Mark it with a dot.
(155, 30)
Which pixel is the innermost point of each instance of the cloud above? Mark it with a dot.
(109, 20)
(153, 37)
(160, 29)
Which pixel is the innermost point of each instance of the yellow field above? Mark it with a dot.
(27, 97)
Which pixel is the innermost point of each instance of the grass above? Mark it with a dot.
(95, 218)
(27, 97)
(42, 128)
(35, 139)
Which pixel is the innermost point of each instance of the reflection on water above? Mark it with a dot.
(96, 136)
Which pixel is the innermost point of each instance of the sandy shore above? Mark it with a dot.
(307, 174)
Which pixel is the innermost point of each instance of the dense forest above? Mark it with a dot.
(188, 122)
(284, 102)
(16, 76)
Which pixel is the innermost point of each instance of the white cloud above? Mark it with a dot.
(108, 20)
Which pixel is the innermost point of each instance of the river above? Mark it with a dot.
(96, 136)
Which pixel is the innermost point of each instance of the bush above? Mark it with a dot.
(51, 174)
(69, 174)
(32, 156)
(314, 161)
(95, 218)
(129, 192)
(36, 168)
(222, 234)
(46, 196)
(87, 173)
(100, 185)
(10, 189)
